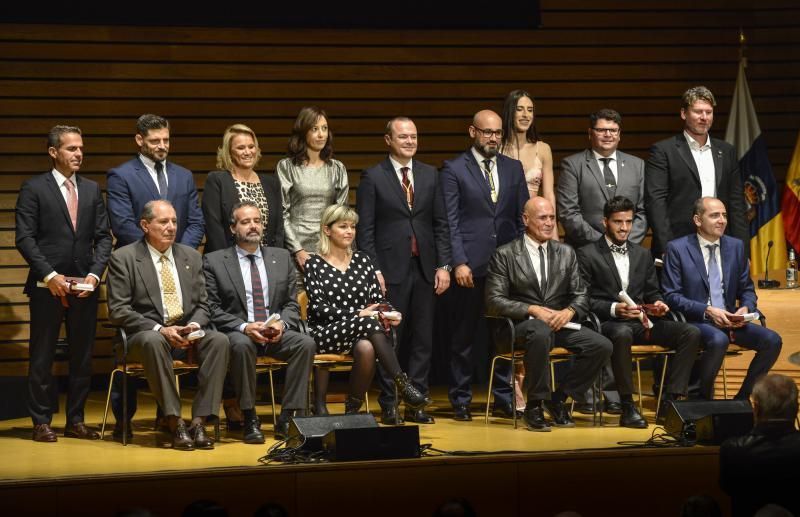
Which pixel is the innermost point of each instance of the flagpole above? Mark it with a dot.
(742, 47)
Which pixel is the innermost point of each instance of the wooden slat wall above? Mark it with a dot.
(636, 57)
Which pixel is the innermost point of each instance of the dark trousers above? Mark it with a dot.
(767, 344)
(591, 351)
(295, 348)
(414, 299)
(47, 313)
(681, 337)
(465, 309)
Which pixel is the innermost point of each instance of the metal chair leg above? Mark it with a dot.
(489, 393)
(661, 386)
(108, 402)
(639, 381)
(724, 380)
(272, 396)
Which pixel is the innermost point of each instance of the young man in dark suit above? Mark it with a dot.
(246, 283)
(403, 228)
(62, 231)
(613, 264)
(707, 278)
(484, 194)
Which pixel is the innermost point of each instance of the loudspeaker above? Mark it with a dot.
(708, 421)
(372, 443)
(306, 432)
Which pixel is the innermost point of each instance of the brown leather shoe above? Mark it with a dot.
(81, 432)
(201, 439)
(43, 433)
(180, 438)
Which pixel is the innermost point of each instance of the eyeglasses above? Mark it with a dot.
(606, 130)
(498, 133)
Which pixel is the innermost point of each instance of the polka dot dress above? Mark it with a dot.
(334, 300)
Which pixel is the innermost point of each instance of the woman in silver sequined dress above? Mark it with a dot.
(311, 180)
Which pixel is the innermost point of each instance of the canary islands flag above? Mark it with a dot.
(791, 199)
(760, 188)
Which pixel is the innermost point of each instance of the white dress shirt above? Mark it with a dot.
(612, 163)
(150, 165)
(244, 266)
(397, 166)
(704, 159)
(155, 255)
(533, 252)
(706, 254)
(495, 175)
(623, 263)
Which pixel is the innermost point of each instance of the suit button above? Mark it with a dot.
(494, 236)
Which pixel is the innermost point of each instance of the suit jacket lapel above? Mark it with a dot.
(716, 152)
(147, 271)
(524, 261)
(726, 258)
(185, 277)
(231, 261)
(422, 188)
(605, 252)
(597, 174)
(58, 198)
(697, 257)
(393, 183)
(269, 265)
(85, 202)
(686, 155)
(146, 179)
(172, 184)
(476, 172)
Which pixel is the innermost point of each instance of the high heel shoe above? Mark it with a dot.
(352, 405)
(409, 393)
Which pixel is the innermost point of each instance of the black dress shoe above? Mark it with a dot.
(559, 414)
(81, 432)
(661, 417)
(117, 433)
(419, 416)
(281, 431)
(631, 417)
(44, 433)
(409, 393)
(181, 440)
(504, 411)
(584, 408)
(201, 440)
(612, 408)
(252, 431)
(534, 419)
(389, 416)
(462, 414)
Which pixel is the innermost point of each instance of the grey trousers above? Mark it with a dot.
(295, 348)
(155, 353)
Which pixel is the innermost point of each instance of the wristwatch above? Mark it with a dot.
(446, 267)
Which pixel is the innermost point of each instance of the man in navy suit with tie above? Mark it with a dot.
(705, 275)
(62, 231)
(484, 194)
(403, 228)
(147, 177)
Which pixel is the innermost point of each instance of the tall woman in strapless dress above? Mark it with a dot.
(521, 142)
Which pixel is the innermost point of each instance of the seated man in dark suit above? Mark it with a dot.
(613, 264)
(761, 467)
(535, 281)
(246, 283)
(713, 289)
(157, 292)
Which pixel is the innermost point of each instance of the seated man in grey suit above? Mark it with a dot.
(246, 284)
(535, 281)
(157, 293)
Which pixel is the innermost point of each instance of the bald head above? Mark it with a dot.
(540, 219)
(486, 132)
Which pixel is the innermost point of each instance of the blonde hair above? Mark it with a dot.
(332, 215)
(224, 158)
(697, 93)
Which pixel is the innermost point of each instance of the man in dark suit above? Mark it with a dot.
(61, 231)
(157, 292)
(403, 228)
(592, 177)
(535, 281)
(761, 467)
(614, 264)
(707, 278)
(484, 194)
(130, 186)
(683, 168)
(247, 283)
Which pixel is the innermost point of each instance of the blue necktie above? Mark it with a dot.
(714, 280)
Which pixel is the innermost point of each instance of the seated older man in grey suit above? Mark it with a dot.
(247, 285)
(157, 293)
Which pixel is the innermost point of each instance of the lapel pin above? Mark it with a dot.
(187, 266)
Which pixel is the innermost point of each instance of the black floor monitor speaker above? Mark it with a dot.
(709, 421)
(372, 443)
(306, 432)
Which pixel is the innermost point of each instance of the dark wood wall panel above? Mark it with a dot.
(636, 57)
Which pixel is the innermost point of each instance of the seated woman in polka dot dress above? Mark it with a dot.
(343, 317)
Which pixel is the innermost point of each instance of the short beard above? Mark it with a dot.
(484, 151)
(248, 239)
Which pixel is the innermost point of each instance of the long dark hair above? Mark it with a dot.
(298, 149)
(509, 110)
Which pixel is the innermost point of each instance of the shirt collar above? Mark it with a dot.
(60, 178)
(531, 243)
(479, 158)
(703, 242)
(157, 254)
(397, 165)
(150, 163)
(243, 253)
(598, 156)
(694, 146)
(608, 241)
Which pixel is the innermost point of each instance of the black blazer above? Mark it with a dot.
(227, 300)
(511, 283)
(385, 223)
(672, 185)
(45, 236)
(599, 273)
(219, 196)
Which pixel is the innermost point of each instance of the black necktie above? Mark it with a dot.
(162, 180)
(259, 305)
(543, 271)
(608, 177)
(487, 163)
